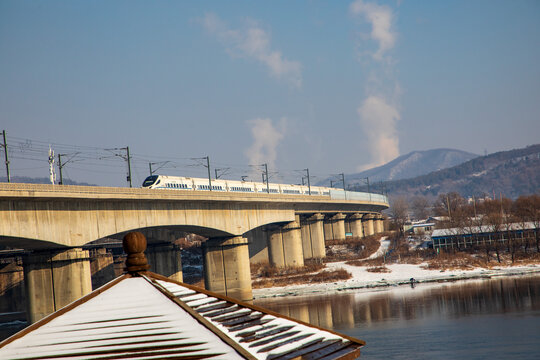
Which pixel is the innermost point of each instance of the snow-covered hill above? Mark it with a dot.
(411, 165)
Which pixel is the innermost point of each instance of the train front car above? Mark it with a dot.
(163, 182)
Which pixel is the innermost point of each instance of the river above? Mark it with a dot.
(484, 319)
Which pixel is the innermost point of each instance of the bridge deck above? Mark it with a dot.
(45, 191)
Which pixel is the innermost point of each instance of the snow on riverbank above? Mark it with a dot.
(400, 275)
(383, 248)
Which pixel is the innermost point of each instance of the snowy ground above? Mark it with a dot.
(400, 275)
(385, 244)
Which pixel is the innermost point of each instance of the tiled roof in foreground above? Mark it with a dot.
(147, 316)
(264, 334)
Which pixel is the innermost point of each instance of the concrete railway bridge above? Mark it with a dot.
(54, 222)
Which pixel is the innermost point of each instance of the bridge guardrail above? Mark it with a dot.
(353, 195)
(81, 189)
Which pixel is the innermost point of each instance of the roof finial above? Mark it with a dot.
(134, 244)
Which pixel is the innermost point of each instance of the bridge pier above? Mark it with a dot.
(226, 267)
(313, 237)
(367, 221)
(101, 267)
(11, 286)
(327, 229)
(258, 245)
(338, 226)
(379, 224)
(355, 225)
(54, 279)
(165, 259)
(334, 227)
(285, 245)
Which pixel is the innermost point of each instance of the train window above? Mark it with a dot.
(150, 180)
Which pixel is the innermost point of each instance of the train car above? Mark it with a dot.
(203, 185)
(241, 186)
(291, 189)
(271, 188)
(325, 191)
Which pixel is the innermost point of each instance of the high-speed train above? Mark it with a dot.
(187, 183)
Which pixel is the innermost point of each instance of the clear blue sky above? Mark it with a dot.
(331, 85)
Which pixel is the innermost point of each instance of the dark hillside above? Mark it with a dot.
(510, 173)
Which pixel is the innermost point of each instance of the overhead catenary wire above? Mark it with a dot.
(92, 159)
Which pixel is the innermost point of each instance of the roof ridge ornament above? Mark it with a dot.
(134, 244)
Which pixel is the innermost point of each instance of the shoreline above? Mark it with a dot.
(399, 276)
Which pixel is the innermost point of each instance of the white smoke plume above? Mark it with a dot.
(266, 138)
(381, 18)
(378, 115)
(254, 42)
(378, 119)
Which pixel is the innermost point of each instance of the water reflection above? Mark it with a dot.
(404, 304)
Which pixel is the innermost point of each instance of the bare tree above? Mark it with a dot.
(420, 207)
(520, 213)
(529, 208)
(495, 222)
(399, 209)
(451, 206)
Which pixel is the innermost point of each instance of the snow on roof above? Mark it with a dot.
(131, 319)
(264, 334)
(483, 229)
(423, 225)
(147, 316)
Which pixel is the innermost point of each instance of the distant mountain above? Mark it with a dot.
(508, 173)
(43, 180)
(413, 164)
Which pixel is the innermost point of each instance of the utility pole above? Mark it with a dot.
(343, 180)
(209, 177)
(52, 175)
(308, 182)
(60, 166)
(129, 166)
(6, 156)
(223, 172)
(367, 181)
(267, 179)
(160, 163)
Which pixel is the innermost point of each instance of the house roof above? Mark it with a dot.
(142, 315)
(483, 229)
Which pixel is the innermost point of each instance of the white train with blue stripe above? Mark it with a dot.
(200, 184)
